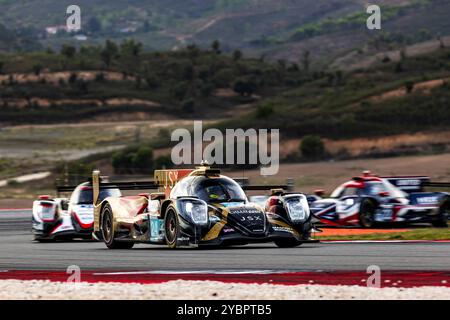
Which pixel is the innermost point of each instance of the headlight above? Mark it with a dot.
(345, 205)
(349, 202)
(297, 207)
(196, 209)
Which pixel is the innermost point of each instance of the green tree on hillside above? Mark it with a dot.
(441, 42)
(72, 78)
(152, 80)
(100, 77)
(306, 60)
(74, 172)
(109, 52)
(237, 55)
(138, 82)
(83, 86)
(94, 25)
(244, 87)
(403, 55)
(179, 90)
(163, 162)
(68, 51)
(130, 47)
(206, 89)
(130, 55)
(122, 162)
(188, 106)
(188, 72)
(133, 160)
(147, 27)
(215, 46)
(409, 85)
(265, 110)
(193, 51)
(143, 159)
(312, 147)
(37, 68)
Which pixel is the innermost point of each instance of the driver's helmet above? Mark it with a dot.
(215, 192)
(375, 188)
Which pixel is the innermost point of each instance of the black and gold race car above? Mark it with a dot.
(198, 207)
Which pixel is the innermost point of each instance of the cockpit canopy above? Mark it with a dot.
(83, 194)
(371, 188)
(210, 189)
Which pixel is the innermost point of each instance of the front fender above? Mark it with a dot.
(97, 215)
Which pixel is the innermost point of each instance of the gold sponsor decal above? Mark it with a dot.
(284, 225)
(213, 233)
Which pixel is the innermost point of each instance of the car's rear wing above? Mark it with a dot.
(408, 184)
(437, 184)
(163, 183)
(97, 185)
(265, 187)
(134, 185)
(411, 184)
(61, 189)
(244, 182)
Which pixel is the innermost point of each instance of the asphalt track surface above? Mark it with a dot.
(19, 252)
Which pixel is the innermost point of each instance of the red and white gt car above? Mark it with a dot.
(62, 218)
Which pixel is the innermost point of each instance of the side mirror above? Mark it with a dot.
(65, 205)
(319, 192)
(383, 194)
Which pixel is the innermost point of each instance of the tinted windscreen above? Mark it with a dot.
(374, 188)
(218, 190)
(86, 195)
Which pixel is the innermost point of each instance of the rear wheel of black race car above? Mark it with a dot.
(108, 231)
(287, 243)
(441, 220)
(367, 214)
(171, 228)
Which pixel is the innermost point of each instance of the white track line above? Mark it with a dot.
(166, 272)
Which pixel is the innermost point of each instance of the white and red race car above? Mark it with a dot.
(371, 200)
(67, 218)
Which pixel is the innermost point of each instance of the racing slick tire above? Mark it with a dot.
(108, 231)
(442, 219)
(287, 243)
(367, 214)
(171, 227)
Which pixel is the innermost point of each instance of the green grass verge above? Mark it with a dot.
(417, 234)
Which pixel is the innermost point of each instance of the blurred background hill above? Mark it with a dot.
(282, 29)
(139, 68)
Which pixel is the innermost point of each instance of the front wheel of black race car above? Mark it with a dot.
(287, 243)
(441, 220)
(367, 214)
(171, 227)
(108, 231)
